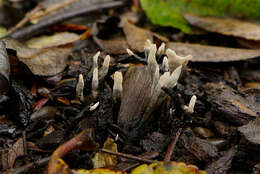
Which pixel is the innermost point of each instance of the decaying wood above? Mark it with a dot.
(229, 105)
(222, 165)
(136, 96)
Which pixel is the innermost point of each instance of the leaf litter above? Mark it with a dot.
(132, 100)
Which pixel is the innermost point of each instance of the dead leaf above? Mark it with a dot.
(43, 62)
(226, 26)
(135, 36)
(113, 46)
(103, 159)
(57, 39)
(17, 150)
(202, 53)
(251, 131)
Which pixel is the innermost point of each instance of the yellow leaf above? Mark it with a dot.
(103, 159)
(2, 29)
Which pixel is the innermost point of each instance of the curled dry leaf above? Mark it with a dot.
(226, 26)
(201, 53)
(18, 149)
(57, 39)
(43, 62)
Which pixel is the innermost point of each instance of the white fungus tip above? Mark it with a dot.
(129, 52)
(93, 107)
(175, 77)
(148, 44)
(118, 85)
(80, 88)
(161, 49)
(190, 109)
(104, 69)
(151, 61)
(165, 64)
(95, 82)
(175, 60)
(95, 59)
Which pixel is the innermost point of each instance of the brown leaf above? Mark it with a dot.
(17, 150)
(202, 53)
(135, 36)
(44, 62)
(113, 46)
(56, 39)
(226, 26)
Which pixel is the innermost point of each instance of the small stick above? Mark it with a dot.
(171, 147)
(123, 155)
(24, 20)
(26, 168)
(35, 29)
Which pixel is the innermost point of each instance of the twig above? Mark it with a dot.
(26, 168)
(53, 8)
(35, 29)
(24, 20)
(172, 146)
(123, 155)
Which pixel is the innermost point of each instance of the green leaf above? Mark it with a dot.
(170, 12)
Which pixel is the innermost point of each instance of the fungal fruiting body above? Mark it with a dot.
(190, 108)
(80, 88)
(175, 60)
(118, 86)
(99, 74)
(104, 69)
(95, 83)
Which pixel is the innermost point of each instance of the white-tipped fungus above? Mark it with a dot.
(148, 45)
(163, 81)
(156, 78)
(190, 109)
(95, 60)
(104, 69)
(174, 77)
(118, 86)
(129, 52)
(95, 82)
(93, 107)
(175, 60)
(151, 61)
(161, 49)
(80, 88)
(165, 64)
